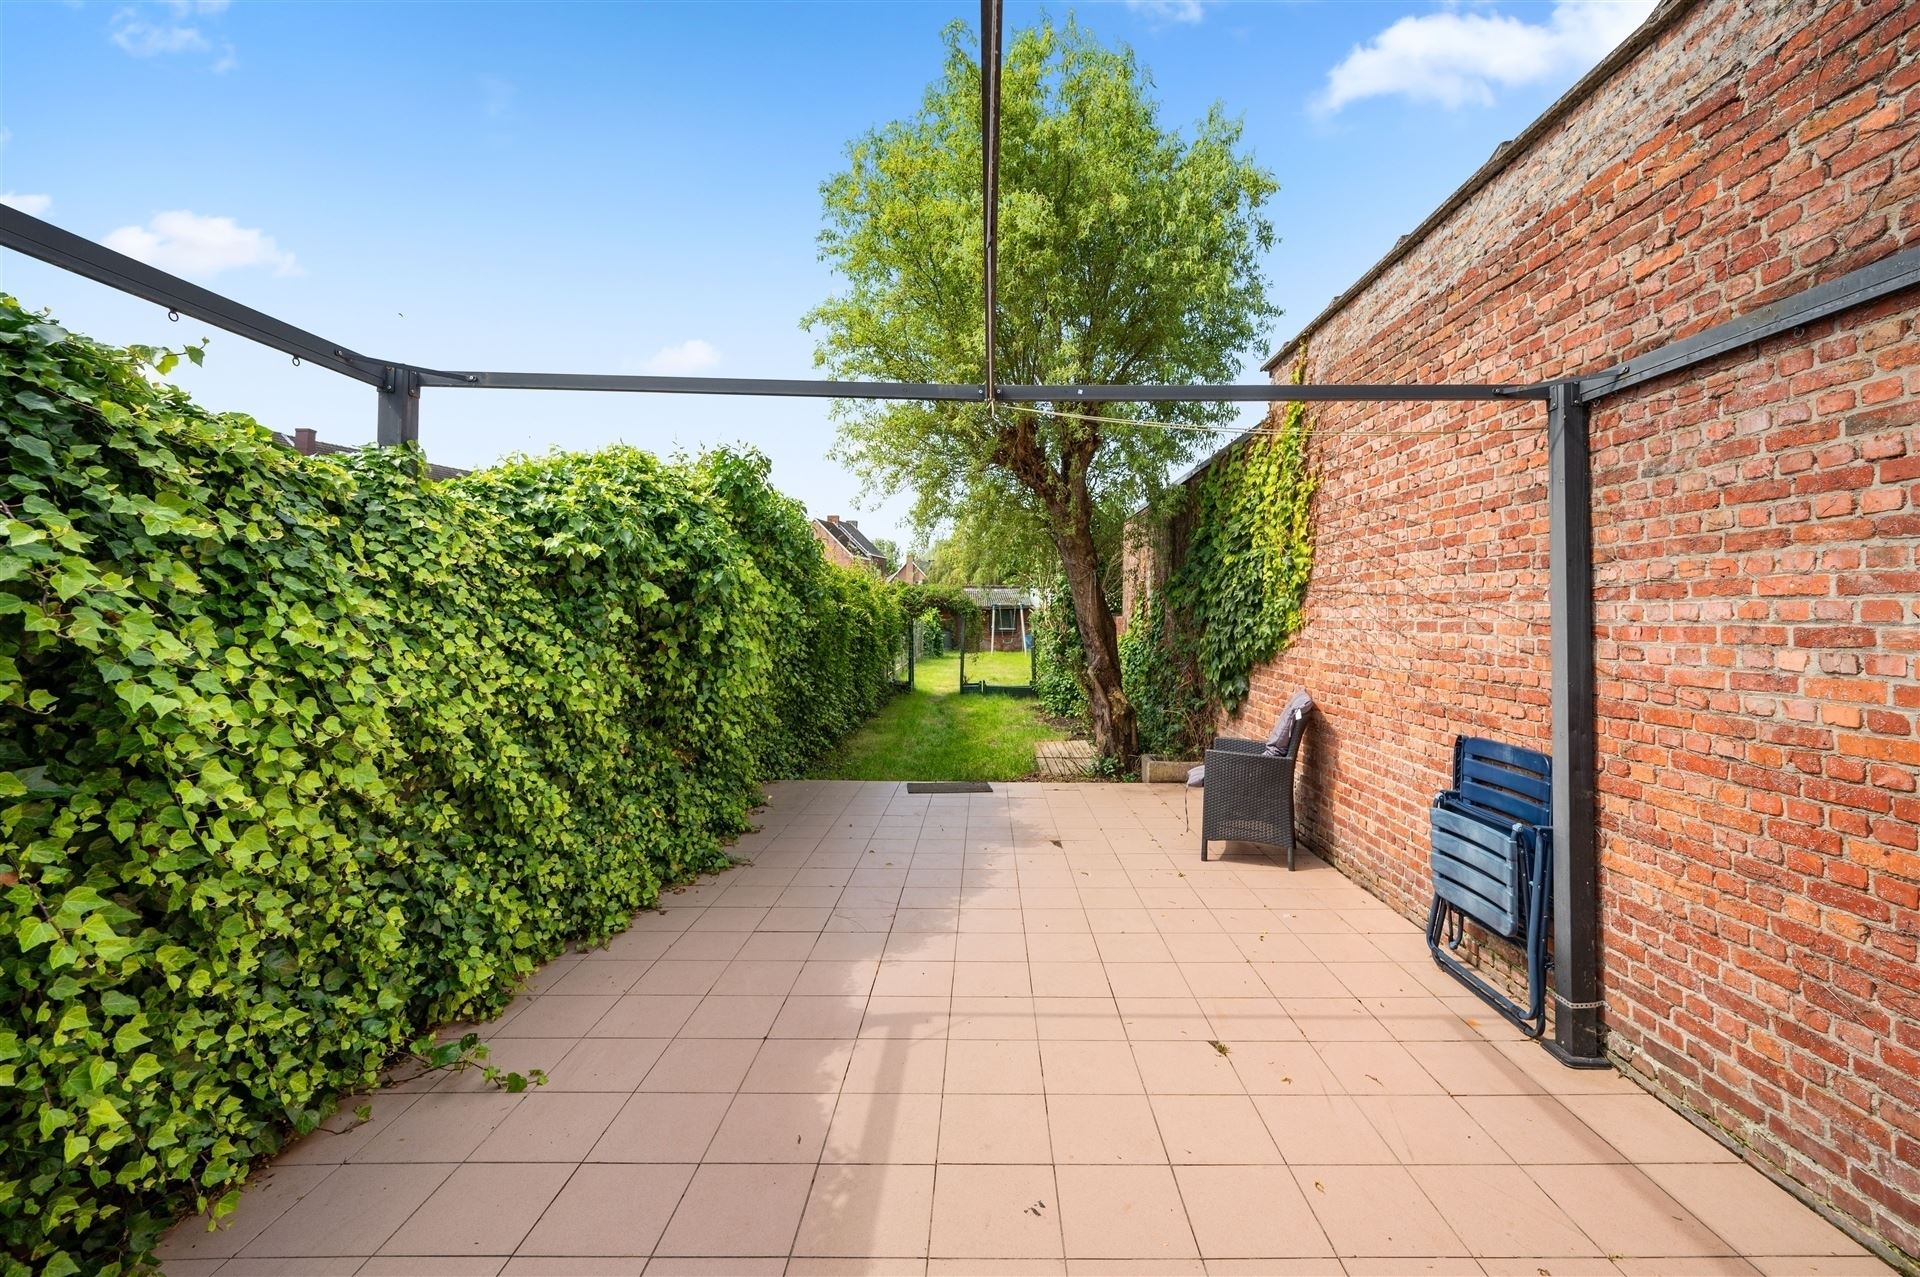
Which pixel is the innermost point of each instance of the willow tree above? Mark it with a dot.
(1128, 253)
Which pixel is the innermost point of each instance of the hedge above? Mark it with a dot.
(303, 756)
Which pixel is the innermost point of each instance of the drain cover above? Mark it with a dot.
(949, 787)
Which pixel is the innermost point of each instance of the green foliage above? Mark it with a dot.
(1062, 661)
(1240, 587)
(300, 756)
(1129, 253)
(935, 733)
(1157, 670)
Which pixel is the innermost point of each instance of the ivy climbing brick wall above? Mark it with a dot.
(1757, 547)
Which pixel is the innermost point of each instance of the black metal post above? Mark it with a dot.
(1576, 876)
(399, 412)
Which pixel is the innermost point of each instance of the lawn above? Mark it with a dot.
(934, 733)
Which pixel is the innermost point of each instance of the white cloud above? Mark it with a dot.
(683, 360)
(33, 205)
(1171, 10)
(1454, 58)
(148, 32)
(189, 244)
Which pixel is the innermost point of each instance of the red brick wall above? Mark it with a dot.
(1757, 548)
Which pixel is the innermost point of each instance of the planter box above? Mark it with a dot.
(1166, 771)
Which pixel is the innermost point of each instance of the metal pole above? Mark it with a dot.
(990, 173)
(398, 418)
(1576, 877)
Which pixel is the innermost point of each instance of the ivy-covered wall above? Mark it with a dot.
(300, 756)
(1218, 589)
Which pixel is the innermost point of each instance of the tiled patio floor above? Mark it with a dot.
(1021, 1033)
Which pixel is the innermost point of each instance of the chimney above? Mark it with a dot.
(833, 518)
(854, 524)
(304, 441)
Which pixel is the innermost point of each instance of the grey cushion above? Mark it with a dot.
(1281, 739)
(1197, 777)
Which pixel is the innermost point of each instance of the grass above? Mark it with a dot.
(934, 733)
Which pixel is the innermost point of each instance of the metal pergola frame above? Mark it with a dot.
(1576, 979)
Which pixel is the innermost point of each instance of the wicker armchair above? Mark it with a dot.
(1249, 793)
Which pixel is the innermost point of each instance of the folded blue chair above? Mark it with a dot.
(1493, 865)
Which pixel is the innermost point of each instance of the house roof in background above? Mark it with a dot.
(851, 537)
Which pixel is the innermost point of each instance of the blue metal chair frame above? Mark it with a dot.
(1493, 865)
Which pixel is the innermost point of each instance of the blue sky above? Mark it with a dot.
(608, 187)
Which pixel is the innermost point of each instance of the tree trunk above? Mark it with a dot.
(1107, 705)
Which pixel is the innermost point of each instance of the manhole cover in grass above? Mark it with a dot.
(949, 787)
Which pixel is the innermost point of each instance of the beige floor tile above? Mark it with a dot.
(1376, 1211)
(720, 1016)
(269, 1194)
(1062, 947)
(984, 1067)
(991, 980)
(1556, 1266)
(599, 977)
(350, 1212)
(995, 1212)
(1282, 1068)
(1376, 1068)
(738, 1210)
(1335, 1020)
(1103, 1130)
(1249, 1212)
(1750, 1211)
(425, 1266)
(799, 1065)
(1645, 1130)
(1123, 1212)
(555, 1015)
(884, 1128)
(1213, 1129)
(1447, 1266)
(1538, 1130)
(1498, 1210)
(772, 1128)
(1147, 980)
(1272, 1267)
(603, 1064)
(700, 1266)
(1471, 1068)
(575, 1266)
(680, 978)
(1185, 1068)
(1811, 1266)
(645, 1016)
(480, 1209)
(745, 977)
(992, 1019)
(439, 1127)
(1089, 1068)
(914, 979)
(776, 946)
(887, 1065)
(836, 1016)
(550, 1127)
(921, 946)
(1323, 1130)
(1236, 979)
(1305, 978)
(269, 1266)
(822, 1266)
(907, 1017)
(1426, 1130)
(994, 1128)
(609, 1210)
(1625, 1212)
(1126, 947)
(989, 946)
(868, 1211)
(1164, 1019)
(665, 1127)
(1259, 1019)
(847, 946)
(707, 946)
(1078, 1020)
(1069, 980)
(835, 979)
(702, 1064)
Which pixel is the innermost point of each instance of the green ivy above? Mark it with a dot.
(1238, 591)
(1157, 673)
(1058, 655)
(302, 756)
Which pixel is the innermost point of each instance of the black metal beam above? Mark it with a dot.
(1260, 392)
(990, 179)
(701, 385)
(1576, 875)
(397, 419)
(1888, 275)
(27, 234)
